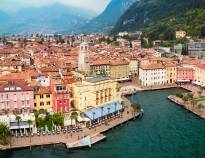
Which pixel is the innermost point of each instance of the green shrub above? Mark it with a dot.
(180, 95)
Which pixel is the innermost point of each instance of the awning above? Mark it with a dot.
(183, 80)
(104, 110)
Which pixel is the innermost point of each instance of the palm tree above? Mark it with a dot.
(5, 133)
(18, 119)
(29, 123)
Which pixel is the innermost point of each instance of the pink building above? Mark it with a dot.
(136, 44)
(16, 97)
(185, 73)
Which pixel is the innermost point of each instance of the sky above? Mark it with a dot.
(14, 5)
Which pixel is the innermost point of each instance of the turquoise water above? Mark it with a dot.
(165, 131)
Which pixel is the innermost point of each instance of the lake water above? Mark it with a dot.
(165, 131)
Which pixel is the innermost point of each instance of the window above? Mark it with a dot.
(48, 103)
(41, 96)
(34, 104)
(41, 103)
(48, 96)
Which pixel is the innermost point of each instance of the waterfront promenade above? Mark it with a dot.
(187, 104)
(72, 138)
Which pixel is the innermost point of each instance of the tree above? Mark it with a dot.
(190, 95)
(202, 31)
(18, 119)
(136, 108)
(29, 123)
(185, 98)
(5, 133)
(180, 95)
(58, 119)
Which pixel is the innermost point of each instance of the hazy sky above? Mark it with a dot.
(13, 5)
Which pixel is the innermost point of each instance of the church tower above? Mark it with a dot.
(83, 58)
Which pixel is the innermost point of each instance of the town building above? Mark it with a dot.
(119, 70)
(22, 126)
(94, 92)
(60, 96)
(180, 34)
(152, 75)
(171, 72)
(42, 79)
(100, 67)
(200, 73)
(133, 66)
(16, 97)
(43, 99)
(196, 49)
(136, 44)
(185, 74)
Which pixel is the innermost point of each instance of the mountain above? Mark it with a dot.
(159, 19)
(107, 19)
(49, 19)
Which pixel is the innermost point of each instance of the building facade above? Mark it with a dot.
(133, 67)
(94, 92)
(43, 99)
(180, 34)
(60, 97)
(100, 68)
(171, 72)
(185, 73)
(152, 75)
(119, 70)
(16, 97)
(196, 49)
(200, 73)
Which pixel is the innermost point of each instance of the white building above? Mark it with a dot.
(22, 126)
(152, 75)
(83, 59)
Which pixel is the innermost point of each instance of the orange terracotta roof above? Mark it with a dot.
(152, 66)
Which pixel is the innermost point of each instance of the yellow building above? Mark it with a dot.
(180, 34)
(133, 66)
(94, 92)
(171, 73)
(42, 99)
(119, 70)
(100, 67)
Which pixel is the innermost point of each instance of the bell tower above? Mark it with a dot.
(84, 58)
